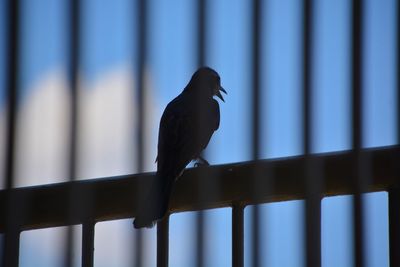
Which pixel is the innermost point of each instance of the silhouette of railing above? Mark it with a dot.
(310, 177)
(112, 198)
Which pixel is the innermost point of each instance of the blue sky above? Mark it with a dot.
(108, 42)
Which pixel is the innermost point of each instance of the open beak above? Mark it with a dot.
(218, 93)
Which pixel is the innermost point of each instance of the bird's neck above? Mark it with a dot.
(196, 92)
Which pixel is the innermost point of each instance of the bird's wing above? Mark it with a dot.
(184, 134)
(215, 114)
(175, 138)
(210, 125)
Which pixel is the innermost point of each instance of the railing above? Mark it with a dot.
(310, 177)
(112, 198)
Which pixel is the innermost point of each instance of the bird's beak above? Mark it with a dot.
(219, 95)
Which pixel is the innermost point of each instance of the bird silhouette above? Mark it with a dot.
(186, 127)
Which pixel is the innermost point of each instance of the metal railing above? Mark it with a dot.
(111, 198)
(310, 177)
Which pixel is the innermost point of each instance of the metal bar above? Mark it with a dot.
(69, 246)
(11, 249)
(112, 195)
(255, 230)
(313, 190)
(12, 234)
(256, 25)
(394, 229)
(141, 113)
(10, 246)
(73, 79)
(394, 193)
(74, 45)
(307, 70)
(200, 239)
(256, 15)
(398, 71)
(313, 235)
(201, 58)
(12, 79)
(237, 236)
(163, 242)
(357, 137)
(201, 32)
(88, 243)
(141, 92)
(357, 63)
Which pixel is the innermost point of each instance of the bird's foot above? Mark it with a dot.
(201, 162)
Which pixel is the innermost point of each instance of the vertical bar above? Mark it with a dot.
(201, 32)
(74, 39)
(142, 52)
(163, 242)
(237, 236)
(11, 237)
(12, 79)
(307, 68)
(201, 54)
(357, 138)
(394, 226)
(11, 248)
(313, 215)
(141, 97)
(398, 69)
(357, 62)
(87, 244)
(313, 187)
(394, 193)
(255, 230)
(256, 25)
(73, 78)
(200, 239)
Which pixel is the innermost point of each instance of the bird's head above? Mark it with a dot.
(207, 82)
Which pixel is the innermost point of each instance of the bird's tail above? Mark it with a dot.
(155, 204)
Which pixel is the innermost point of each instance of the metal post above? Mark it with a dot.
(163, 242)
(394, 226)
(12, 79)
(11, 248)
(313, 187)
(237, 236)
(357, 137)
(11, 238)
(201, 56)
(88, 244)
(200, 239)
(394, 193)
(256, 26)
(74, 45)
(141, 113)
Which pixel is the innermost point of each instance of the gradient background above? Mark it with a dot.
(107, 121)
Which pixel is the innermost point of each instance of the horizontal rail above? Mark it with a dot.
(113, 198)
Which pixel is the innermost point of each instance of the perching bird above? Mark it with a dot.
(186, 127)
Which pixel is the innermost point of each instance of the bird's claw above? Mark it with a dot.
(201, 162)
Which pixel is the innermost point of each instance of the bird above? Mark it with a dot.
(186, 127)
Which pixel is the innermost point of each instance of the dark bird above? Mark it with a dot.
(186, 127)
